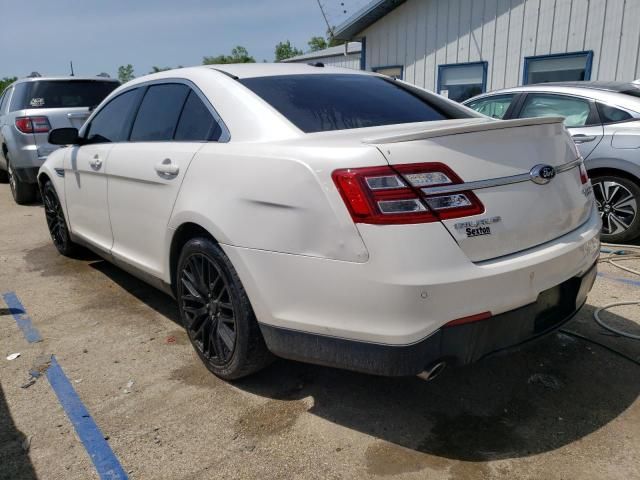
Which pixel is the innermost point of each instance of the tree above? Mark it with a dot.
(317, 43)
(125, 73)
(239, 54)
(333, 41)
(285, 50)
(5, 82)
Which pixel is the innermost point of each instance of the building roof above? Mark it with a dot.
(354, 47)
(364, 17)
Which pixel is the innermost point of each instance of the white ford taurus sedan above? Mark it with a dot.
(328, 215)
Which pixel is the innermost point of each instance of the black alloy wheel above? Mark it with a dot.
(55, 220)
(216, 312)
(208, 310)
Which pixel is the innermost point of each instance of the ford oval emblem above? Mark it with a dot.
(542, 174)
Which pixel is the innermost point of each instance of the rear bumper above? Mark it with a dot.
(415, 281)
(455, 345)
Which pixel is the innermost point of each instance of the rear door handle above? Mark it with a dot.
(581, 138)
(96, 163)
(166, 168)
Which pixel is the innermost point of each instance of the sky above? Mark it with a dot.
(100, 35)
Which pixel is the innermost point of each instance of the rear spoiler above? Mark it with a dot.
(458, 128)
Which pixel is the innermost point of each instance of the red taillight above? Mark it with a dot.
(584, 177)
(470, 319)
(393, 195)
(33, 124)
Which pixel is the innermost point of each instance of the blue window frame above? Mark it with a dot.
(461, 81)
(394, 71)
(557, 67)
(363, 53)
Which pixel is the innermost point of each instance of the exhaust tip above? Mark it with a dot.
(433, 371)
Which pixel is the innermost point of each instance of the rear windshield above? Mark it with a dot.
(61, 93)
(317, 103)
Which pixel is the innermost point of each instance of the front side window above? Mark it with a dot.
(495, 107)
(323, 102)
(196, 123)
(111, 123)
(159, 113)
(574, 110)
(557, 68)
(462, 81)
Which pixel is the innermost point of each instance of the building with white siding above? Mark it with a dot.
(461, 48)
(347, 55)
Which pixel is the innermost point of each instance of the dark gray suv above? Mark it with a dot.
(29, 109)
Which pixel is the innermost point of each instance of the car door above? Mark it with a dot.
(580, 116)
(145, 174)
(85, 170)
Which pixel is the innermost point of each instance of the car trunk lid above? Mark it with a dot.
(498, 161)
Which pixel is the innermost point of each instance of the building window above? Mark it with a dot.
(461, 81)
(393, 71)
(562, 67)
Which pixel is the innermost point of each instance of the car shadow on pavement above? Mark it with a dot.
(546, 395)
(543, 396)
(157, 300)
(14, 460)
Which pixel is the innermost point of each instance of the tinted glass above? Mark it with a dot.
(3, 100)
(19, 92)
(159, 112)
(196, 122)
(574, 110)
(612, 114)
(111, 123)
(494, 107)
(322, 102)
(63, 93)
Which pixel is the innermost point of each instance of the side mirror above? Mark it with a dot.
(64, 136)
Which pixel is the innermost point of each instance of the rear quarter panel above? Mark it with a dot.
(274, 198)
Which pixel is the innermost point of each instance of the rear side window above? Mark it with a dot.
(196, 122)
(61, 94)
(111, 123)
(322, 102)
(574, 110)
(4, 99)
(159, 112)
(495, 107)
(610, 114)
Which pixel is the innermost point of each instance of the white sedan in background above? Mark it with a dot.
(329, 216)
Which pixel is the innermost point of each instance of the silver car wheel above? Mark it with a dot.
(12, 178)
(618, 207)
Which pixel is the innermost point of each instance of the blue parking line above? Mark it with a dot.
(628, 281)
(103, 458)
(105, 461)
(23, 320)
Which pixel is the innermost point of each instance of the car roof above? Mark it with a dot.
(619, 87)
(40, 79)
(622, 94)
(252, 70)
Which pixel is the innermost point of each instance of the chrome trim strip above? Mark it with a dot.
(494, 182)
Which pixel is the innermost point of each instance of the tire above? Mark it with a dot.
(618, 199)
(216, 312)
(56, 222)
(23, 193)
